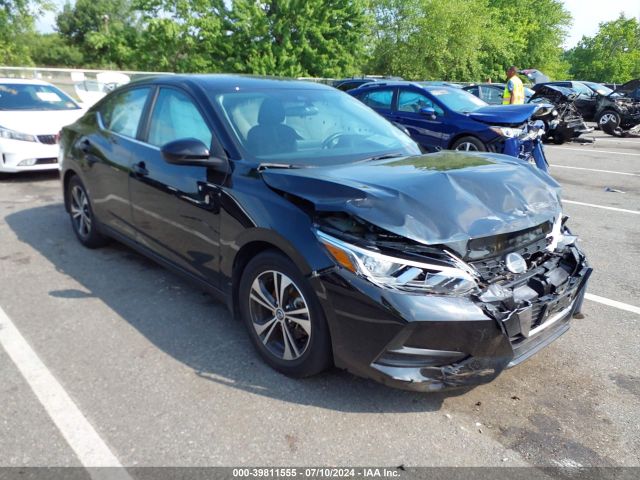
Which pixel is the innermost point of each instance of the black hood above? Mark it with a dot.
(628, 87)
(445, 197)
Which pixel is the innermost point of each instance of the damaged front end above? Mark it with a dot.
(528, 285)
(534, 289)
(564, 123)
(447, 268)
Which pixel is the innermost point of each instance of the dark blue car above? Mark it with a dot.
(440, 117)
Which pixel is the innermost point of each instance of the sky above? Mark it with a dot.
(587, 14)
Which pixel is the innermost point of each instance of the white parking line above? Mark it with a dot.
(595, 170)
(91, 450)
(619, 140)
(624, 210)
(612, 303)
(592, 150)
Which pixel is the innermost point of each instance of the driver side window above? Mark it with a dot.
(175, 117)
(412, 102)
(582, 89)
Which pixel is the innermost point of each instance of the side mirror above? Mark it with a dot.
(428, 112)
(191, 151)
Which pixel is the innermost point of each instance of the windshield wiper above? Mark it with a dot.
(267, 165)
(383, 157)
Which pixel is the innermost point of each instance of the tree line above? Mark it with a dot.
(455, 40)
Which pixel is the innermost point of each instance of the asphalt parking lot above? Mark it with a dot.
(162, 375)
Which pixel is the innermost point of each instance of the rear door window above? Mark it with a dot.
(378, 99)
(474, 90)
(121, 113)
(492, 95)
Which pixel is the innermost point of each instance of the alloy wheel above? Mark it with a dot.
(467, 147)
(80, 212)
(280, 315)
(608, 117)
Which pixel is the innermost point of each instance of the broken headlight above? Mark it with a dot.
(399, 273)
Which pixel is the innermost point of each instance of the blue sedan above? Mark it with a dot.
(439, 117)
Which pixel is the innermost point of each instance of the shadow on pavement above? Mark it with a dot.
(189, 325)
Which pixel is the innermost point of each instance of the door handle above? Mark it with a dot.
(140, 169)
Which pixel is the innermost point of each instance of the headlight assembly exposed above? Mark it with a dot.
(507, 132)
(398, 273)
(13, 135)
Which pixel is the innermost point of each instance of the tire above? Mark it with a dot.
(469, 144)
(608, 121)
(83, 221)
(297, 346)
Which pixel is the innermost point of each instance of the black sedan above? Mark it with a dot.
(586, 99)
(324, 229)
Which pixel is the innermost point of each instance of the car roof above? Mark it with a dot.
(23, 81)
(486, 84)
(403, 83)
(232, 82)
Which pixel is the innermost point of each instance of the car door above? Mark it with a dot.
(106, 157)
(176, 207)
(428, 131)
(586, 101)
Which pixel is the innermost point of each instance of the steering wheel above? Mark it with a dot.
(332, 140)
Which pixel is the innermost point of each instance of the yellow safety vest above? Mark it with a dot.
(518, 92)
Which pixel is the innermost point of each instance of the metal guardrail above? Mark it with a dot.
(67, 78)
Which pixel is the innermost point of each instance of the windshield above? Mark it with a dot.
(24, 96)
(596, 87)
(457, 99)
(310, 127)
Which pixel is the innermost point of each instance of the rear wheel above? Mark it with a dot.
(284, 318)
(82, 218)
(469, 144)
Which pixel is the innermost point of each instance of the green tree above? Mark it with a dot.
(182, 35)
(611, 55)
(466, 39)
(105, 30)
(51, 50)
(17, 18)
(320, 38)
(530, 35)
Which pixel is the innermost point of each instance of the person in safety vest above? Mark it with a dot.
(513, 90)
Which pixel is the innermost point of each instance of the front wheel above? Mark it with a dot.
(469, 144)
(608, 121)
(284, 317)
(83, 220)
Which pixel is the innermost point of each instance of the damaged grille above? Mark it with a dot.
(491, 268)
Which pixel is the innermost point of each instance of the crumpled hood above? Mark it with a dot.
(444, 197)
(628, 87)
(39, 122)
(503, 114)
